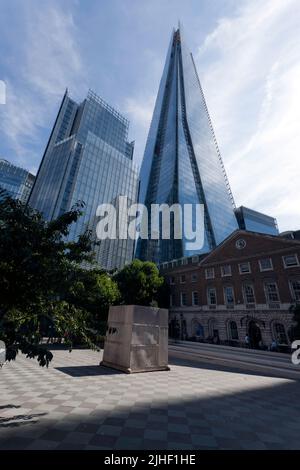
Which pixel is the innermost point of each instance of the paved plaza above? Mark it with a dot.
(76, 404)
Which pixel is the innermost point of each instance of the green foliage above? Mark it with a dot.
(139, 283)
(44, 290)
(94, 291)
(37, 269)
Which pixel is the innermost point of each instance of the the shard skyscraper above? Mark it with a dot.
(182, 163)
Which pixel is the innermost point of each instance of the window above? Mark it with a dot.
(211, 296)
(226, 270)
(244, 268)
(295, 289)
(171, 300)
(280, 334)
(212, 327)
(265, 264)
(233, 330)
(172, 280)
(183, 298)
(271, 292)
(249, 294)
(209, 273)
(194, 277)
(195, 259)
(290, 260)
(195, 298)
(182, 278)
(228, 295)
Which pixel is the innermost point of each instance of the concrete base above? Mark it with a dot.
(130, 371)
(136, 339)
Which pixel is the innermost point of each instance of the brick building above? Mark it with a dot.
(243, 287)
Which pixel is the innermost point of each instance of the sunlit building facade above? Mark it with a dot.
(88, 158)
(16, 181)
(182, 163)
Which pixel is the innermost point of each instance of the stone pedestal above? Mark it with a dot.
(136, 339)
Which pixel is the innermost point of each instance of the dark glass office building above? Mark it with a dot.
(88, 158)
(182, 163)
(255, 221)
(15, 180)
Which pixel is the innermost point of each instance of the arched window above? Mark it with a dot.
(280, 334)
(197, 329)
(233, 330)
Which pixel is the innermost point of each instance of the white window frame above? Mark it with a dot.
(230, 331)
(292, 289)
(212, 271)
(233, 296)
(276, 335)
(222, 273)
(245, 295)
(208, 297)
(193, 302)
(181, 303)
(181, 281)
(196, 278)
(292, 266)
(266, 292)
(245, 272)
(265, 269)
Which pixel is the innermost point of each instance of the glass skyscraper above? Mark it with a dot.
(182, 163)
(15, 180)
(255, 221)
(89, 159)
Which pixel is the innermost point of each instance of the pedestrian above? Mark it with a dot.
(247, 341)
(274, 345)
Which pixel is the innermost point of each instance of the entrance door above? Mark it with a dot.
(254, 334)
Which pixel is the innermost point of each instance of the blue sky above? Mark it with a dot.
(248, 58)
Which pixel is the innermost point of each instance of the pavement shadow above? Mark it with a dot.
(86, 371)
(242, 369)
(19, 420)
(5, 407)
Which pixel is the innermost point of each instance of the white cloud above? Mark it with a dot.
(139, 110)
(50, 62)
(52, 57)
(250, 71)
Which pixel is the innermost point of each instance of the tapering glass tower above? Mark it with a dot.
(182, 163)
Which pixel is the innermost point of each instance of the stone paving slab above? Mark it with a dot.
(76, 404)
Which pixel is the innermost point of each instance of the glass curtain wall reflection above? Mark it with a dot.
(182, 163)
(89, 159)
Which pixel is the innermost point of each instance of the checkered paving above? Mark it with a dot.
(76, 404)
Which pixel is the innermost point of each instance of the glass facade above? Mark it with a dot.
(15, 180)
(88, 159)
(182, 162)
(254, 221)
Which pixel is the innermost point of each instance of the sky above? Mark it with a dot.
(247, 53)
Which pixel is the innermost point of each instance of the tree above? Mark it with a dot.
(37, 270)
(94, 291)
(139, 283)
